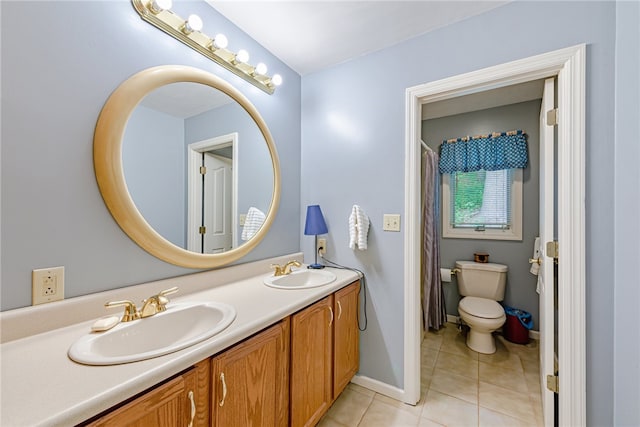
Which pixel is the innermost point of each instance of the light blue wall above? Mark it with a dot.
(353, 126)
(153, 159)
(626, 269)
(56, 76)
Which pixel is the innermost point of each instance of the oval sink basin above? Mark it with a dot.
(301, 279)
(180, 326)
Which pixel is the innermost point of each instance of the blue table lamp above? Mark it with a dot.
(313, 226)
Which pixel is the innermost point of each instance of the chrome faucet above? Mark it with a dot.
(152, 305)
(284, 269)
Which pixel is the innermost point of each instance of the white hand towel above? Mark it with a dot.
(252, 223)
(535, 267)
(358, 228)
(540, 284)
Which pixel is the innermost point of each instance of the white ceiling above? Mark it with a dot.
(311, 35)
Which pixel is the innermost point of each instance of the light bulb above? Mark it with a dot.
(193, 23)
(158, 6)
(261, 69)
(276, 79)
(242, 56)
(220, 41)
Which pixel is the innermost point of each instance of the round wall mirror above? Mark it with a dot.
(187, 166)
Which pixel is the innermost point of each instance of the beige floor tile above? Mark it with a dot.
(411, 409)
(507, 402)
(360, 389)
(533, 384)
(457, 364)
(458, 345)
(432, 340)
(464, 388)
(381, 414)
(329, 422)
(511, 379)
(428, 357)
(426, 373)
(449, 411)
(349, 408)
(489, 418)
(530, 366)
(503, 358)
(428, 423)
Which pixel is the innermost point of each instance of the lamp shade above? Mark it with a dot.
(315, 221)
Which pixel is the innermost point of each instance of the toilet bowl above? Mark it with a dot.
(482, 285)
(483, 316)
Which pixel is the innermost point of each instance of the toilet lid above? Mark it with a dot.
(482, 307)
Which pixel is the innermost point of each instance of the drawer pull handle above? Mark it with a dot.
(339, 310)
(224, 388)
(331, 320)
(193, 408)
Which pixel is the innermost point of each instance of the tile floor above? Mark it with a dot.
(459, 388)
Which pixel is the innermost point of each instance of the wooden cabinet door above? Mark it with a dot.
(250, 381)
(179, 402)
(311, 360)
(346, 356)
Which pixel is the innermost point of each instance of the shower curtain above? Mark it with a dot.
(433, 307)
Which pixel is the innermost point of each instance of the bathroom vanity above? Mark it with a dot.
(283, 360)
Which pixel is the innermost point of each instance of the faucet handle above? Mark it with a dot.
(130, 310)
(278, 269)
(168, 291)
(162, 298)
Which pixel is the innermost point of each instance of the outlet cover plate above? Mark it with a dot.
(47, 285)
(391, 222)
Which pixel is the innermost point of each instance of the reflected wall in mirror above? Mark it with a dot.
(195, 162)
(181, 158)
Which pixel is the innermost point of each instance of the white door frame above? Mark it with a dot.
(568, 65)
(194, 186)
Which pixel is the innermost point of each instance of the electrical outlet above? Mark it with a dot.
(243, 218)
(322, 246)
(47, 285)
(391, 222)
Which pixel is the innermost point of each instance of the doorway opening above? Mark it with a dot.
(568, 67)
(212, 206)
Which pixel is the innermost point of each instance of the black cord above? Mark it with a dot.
(363, 280)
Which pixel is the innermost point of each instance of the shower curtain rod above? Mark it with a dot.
(491, 135)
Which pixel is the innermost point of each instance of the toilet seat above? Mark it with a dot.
(481, 307)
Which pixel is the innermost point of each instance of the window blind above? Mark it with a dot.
(481, 199)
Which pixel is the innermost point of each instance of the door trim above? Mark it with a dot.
(568, 65)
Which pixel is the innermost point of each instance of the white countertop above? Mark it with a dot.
(40, 385)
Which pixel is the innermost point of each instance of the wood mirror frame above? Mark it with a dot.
(107, 160)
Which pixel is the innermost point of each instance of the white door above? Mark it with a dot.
(217, 191)
(546, 279)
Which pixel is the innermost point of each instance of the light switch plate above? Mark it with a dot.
(391, 222)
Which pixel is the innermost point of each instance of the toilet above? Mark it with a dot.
(482, 286)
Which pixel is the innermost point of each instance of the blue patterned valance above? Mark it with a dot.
(506, 150)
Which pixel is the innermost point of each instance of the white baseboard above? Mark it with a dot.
(379, 387)
(453, 319)
(534, 335)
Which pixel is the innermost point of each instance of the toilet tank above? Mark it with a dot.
(483, 280)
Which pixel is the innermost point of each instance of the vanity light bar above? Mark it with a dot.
(153, 12)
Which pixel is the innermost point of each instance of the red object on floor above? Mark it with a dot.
(514, 331)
